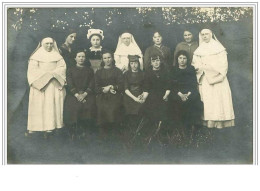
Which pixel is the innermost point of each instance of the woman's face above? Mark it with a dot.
(134, 66)
(156, 63)
(187, 36)
(126, 40)
(157, 38)
(95, 41)
(205, 34)
(107, 59)
(80, 58)
(182, 61)
(71, 38)
(48, 44)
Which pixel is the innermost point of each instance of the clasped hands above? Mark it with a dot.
(184, 97)
(109, 88)
(81, 97)
(141, 98)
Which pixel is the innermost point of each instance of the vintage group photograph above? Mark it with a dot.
(130, 85)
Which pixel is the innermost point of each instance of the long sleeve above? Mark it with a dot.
(70, 83)
(147, 82)
(34, 72)
(91, 84)
(60, 72)
(98, 86)
(119, 81)
(126, 84)
(167, 81)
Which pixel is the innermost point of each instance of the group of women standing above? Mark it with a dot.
(97, 88)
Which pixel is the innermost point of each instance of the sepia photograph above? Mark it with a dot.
(139, 84)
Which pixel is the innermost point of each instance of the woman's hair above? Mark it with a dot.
(69, 32)
(107, 52)
(184, 53)
(139, 67)
(157, 31)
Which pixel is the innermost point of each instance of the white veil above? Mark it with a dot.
(131, 49)
(40, 54)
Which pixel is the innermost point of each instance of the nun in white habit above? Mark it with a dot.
(47, 77)
(211, 64)
(126, 46)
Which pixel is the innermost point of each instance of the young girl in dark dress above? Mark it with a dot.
(133, 84)
(109, 84)
(186, 105)
(155, 98)
(79, 108)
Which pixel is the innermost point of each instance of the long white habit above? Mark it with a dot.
(47, 77)
(211, 64)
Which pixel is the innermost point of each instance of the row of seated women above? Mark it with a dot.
(104, 90)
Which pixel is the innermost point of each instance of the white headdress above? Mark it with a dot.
(211, 48)
(40, 54)
(95, 32)
(131, 49)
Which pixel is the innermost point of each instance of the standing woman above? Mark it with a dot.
(66, 48)
(109, 86)
(47, 77)
(186, 107)
(189, 45)
(126, 46)
(211, 64)
(79, 106)
(159, 49)
(94, 52)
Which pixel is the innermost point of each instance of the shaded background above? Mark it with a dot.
(26, 27)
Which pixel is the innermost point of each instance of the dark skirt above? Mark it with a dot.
(109, 108)
(155, 108)
(188, 112)
(132, 107)
(75, 110)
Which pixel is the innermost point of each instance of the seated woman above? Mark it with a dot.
(79, 106)
(109, 84)
(155, 96)
(47, 77)
(94, 52)
(134, 80)
(188, 45)
(127, 46)
(66, 50)
(158, 49)
(186, 107)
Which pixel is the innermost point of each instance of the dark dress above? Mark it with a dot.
(67, 56)
(94, 59)
(134, 83)
(109, 105)
(163, 51)
(156, 83)
(79, 80)
(184, 81)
